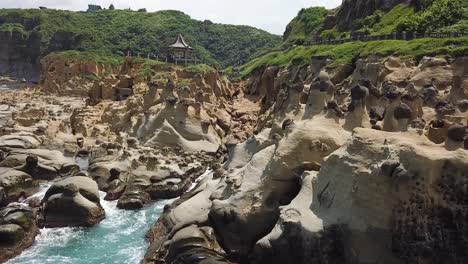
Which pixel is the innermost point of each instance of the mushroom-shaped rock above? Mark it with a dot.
(359, 93)
(393, 95)
(444, 108)
(403, 111)
(38, 171)
(357, 114)
(73, 201)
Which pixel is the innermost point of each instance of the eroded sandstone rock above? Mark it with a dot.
(72, 201)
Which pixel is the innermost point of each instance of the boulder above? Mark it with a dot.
(17, 230)
(73, 201)
(15, 184)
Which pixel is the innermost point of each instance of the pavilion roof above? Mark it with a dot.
(180, 43)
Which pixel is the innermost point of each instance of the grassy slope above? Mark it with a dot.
(379, 23)
(116, 31)
(305, 24)
(389, 21)
(348, 52)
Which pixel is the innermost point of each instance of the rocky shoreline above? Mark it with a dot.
(311, 164)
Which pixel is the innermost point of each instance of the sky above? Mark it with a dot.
(270, 15)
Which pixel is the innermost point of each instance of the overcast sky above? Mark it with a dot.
(271, 15)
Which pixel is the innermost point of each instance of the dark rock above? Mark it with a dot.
(418, 123)
(359, 93)
(429, 93)
(11, 234)
(444, 108)
(437, 123)
(17, 230)
(462, 106)
(115, 190)
(457, 133)
(388, 167)
(114, 174)
(403, 111)
(72, 201)
(38, 171)
(377, 113)
(133, 200)
(287, 123)
(393, 95)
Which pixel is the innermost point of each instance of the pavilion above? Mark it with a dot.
(180, 51)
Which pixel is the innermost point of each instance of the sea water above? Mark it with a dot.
(120, 238)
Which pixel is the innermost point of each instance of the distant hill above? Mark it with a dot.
(116, 31)
(378, 17)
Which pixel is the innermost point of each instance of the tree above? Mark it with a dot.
(112, 7)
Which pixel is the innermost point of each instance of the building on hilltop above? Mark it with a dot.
(180, 52)
(92, 8)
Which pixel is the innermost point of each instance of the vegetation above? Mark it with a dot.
(14, 28)
(420, 16)
(200, 68)
(98, 57)
(304, 25)
(435, 15)
(349, 52)
(117, 31)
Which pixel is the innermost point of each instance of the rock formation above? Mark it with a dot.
(310, 163)
(72, 201)
(320, 182)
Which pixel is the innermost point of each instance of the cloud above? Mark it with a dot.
(271, 15)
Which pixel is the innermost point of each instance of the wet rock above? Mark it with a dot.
(133, 199)
(115, 190)
(17, 230)
(72, 201)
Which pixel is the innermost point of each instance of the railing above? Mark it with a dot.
(392, 36)
(164, 58)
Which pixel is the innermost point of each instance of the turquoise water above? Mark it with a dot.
(120, 238)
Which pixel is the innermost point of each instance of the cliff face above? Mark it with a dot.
(351, 10)
(19, 56)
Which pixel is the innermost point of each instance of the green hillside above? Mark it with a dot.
(116, 31)
(307, 22)
(420, 16)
